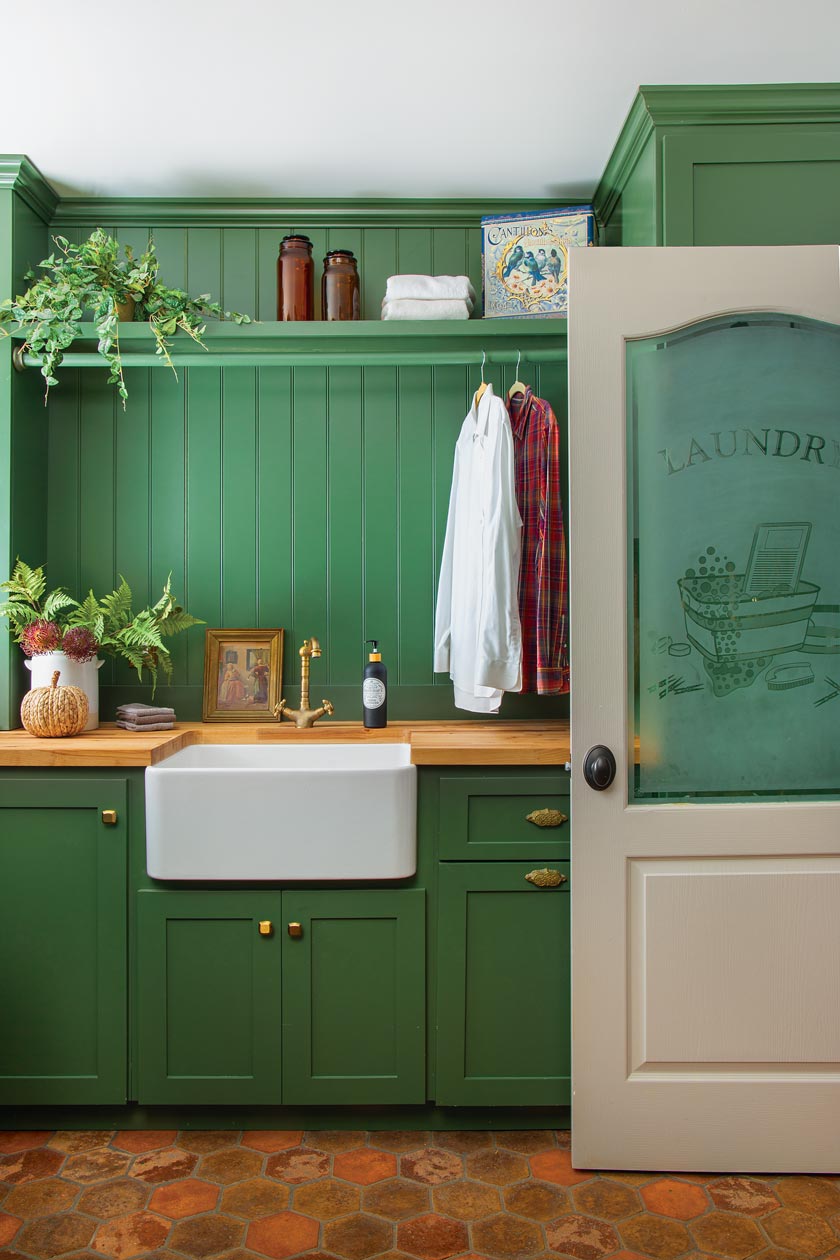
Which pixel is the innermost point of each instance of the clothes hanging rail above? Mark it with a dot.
(291, 358)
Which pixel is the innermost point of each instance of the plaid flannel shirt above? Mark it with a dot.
(543, 574)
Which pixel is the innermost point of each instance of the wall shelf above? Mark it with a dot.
(366, 343)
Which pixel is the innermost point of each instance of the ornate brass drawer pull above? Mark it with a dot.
(546, 818)
(546, 878)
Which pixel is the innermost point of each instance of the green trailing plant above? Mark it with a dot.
(42, 622)
(93, 281)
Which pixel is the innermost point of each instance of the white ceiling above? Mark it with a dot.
(446, 98)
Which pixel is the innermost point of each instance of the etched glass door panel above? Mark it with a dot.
(734, 559)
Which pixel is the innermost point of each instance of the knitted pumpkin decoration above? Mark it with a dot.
(54, 710)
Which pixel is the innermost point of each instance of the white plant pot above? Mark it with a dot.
(84, 675)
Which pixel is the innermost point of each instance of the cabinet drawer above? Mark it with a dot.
(487, 818)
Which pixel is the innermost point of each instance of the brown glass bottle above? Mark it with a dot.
(295, 279)
(340, 286)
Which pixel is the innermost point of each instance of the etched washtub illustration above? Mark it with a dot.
(741, 623)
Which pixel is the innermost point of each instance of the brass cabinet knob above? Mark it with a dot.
(295, 930)
(266, 927)
(109, 817)
(546, 878)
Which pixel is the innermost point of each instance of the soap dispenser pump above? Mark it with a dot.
(375, 689)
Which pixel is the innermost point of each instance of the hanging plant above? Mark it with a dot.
(91, 281)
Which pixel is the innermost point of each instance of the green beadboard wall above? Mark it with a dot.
(310, 498)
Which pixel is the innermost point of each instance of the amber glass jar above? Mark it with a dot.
(340, 286)
(295, 279)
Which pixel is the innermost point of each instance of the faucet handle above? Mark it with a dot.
(328, 708)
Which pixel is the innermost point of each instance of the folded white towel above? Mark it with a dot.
(430, 288)
(406, 308)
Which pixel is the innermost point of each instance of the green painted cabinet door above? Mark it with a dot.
(503, 1000)
(208, 1006)
(63, 976)
(354, 999)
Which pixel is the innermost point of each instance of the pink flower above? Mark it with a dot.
(39, 637)
(79, 644)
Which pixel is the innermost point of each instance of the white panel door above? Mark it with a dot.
(705, 597)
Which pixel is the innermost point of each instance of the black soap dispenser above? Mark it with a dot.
(375, 689)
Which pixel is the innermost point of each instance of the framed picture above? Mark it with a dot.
(242, 675)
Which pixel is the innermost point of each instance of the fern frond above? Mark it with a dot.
(178, 620)
(27, 583)
(57, 600)
(117, 606)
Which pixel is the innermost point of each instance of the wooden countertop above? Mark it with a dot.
(525, 743)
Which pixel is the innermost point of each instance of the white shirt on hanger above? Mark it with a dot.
(477, 632)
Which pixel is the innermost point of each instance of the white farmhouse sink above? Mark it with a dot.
(250, 812)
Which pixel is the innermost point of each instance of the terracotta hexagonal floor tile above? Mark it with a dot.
(95, 1165)
(9, 1226)
(797, 1231)
(536, 1201)
(815, 1195)
(780, 1253)
(332, 1140)
(298, 1165)
(283, 1235)
(556, 1166)
(29, 1165)
(40, 1198)
(467, 1200)
(358, 1237)
(526, 1141)
(204, 1141)
(14, 1140)
(744, 1195)
(507, 1238)
(675, 1198)
(167, 1165)
(326, 1199)
(55, 1235)
(500, 1168)
(582, 1237)
(271, 1140)
(184, 1198)
(139, 1140)
(229, 1166)
(253, 1199)
(633, 1179)
(400, 1141)
(114, 1198)
(432, 1237)
(655, 1236)
(72, 1143)
(432, 1166)
(608, 1200)
(728, 1235)
(364, 1166)
(127, 1236)
(463, 1141)
(396, 1200)
(202, 1236)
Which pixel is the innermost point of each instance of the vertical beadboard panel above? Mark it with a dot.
(96, 489)
(64, 509)
(275, 480)
(168, 495)
(415, 557)
(380, 262)
(239, 497)
(204, 262)
(414, 251)
(203, 589)
(346, 571)
(381, 514)
(309, 515)
(132, 498)
(239, 270)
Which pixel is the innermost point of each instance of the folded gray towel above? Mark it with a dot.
(147, 726)
(145, 713)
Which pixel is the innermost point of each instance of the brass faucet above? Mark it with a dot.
(304, 716)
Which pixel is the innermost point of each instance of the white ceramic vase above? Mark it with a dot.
(84, 675)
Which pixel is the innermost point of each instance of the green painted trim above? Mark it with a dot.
(375, 1119)
(631, 141)
(328, 212)
(20, 175)
(700, 104)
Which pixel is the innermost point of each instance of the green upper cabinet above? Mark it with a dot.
(726, 165)
(208, 998)
(64, 932)
(354, 1028)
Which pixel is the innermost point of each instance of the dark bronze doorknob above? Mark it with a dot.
(599, 767)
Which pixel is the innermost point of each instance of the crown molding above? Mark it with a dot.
(637, 129)
(18, 174)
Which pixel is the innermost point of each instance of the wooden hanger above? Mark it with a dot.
(479, 393)
(518, 387)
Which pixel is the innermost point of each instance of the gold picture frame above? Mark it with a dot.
(243, 672)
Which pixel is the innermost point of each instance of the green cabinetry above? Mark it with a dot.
(63, 928)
